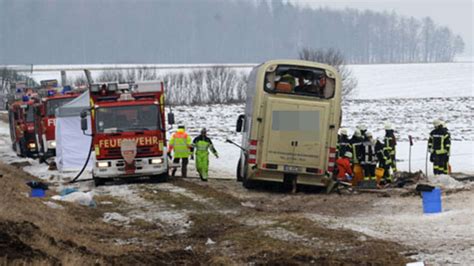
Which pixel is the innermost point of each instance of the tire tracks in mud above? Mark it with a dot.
(233, 230)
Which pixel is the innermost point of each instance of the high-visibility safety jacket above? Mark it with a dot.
(390, 141)
(180, 143)
(357, 148)
(343, 145)
(383, 154)
(368, 153)
(203, 144)
(439, 142)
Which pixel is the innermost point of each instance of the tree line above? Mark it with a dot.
(203, 86)
(190, 31)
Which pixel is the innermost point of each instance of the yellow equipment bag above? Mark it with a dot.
(379, 173)
(358, 174)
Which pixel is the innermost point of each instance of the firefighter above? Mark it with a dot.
(369, 159)
(343, 143)
(202, 144)
(356, 144)
(439, 145)
(180, 144)
(390, 143)
(344, 168)
(363, 129)
(384, 159)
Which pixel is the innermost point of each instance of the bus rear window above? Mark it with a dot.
(299, 80)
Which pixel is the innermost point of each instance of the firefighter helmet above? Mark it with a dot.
(348, 154)
(437, 122)
(368, 134)
(343, 131)
(388, 126)
(357, 133)
(362, 127)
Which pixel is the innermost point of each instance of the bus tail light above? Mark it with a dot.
(252, 159)
(332, 159)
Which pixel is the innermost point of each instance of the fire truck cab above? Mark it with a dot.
(128, 130)
(21, 120)
(45, 121)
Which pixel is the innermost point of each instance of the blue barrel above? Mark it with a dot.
(37, 193)
(432, 201)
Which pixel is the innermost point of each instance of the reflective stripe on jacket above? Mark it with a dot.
(440, 141)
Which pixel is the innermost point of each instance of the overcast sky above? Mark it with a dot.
(456, 14)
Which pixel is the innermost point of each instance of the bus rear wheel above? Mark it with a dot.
(248, 184)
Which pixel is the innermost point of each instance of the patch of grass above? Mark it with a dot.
(172, 200)
(221, 198)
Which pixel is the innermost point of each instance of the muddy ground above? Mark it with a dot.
(184, 221)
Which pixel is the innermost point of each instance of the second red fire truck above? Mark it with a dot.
(45, 121)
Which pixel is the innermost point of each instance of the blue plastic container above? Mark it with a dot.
(37, 193)
(432, 201)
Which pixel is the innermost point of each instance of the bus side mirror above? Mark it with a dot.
(84, 121)
(170, 118)
(240, 123)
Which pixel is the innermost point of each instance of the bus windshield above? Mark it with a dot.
(127, 118)
(300, 80)
(52, 104)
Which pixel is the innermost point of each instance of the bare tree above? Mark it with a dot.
(333, 58)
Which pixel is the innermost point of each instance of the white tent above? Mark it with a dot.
(72, 146)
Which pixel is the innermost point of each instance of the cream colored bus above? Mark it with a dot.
(292, 115)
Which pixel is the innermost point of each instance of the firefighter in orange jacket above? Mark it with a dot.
(344, 167)
(180, 143)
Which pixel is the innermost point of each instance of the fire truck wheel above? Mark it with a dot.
(159, 178)
(98, 181)
(21, 149)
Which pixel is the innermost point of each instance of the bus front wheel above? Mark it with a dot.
(239, 171)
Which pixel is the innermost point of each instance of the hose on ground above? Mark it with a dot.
(85, 164)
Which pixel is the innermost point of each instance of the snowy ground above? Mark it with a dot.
(444, 239)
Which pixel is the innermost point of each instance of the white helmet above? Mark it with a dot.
(357, 133)
(443, 123)
(388, 126)
(348, 154)
(437, 122)
(368, 134)
(343, 131)
(362, 127)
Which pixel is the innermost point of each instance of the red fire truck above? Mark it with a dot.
(128, 130)
(45, 121)
(22, 129)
